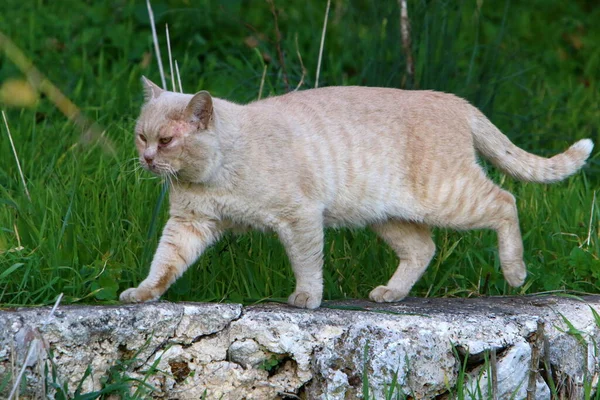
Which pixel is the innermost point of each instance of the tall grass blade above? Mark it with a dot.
(301, 82)
(262, 82)
(156, 46)
(178, 77)
(322, 43)
(12, 145)
(589, 236)
(170, 58)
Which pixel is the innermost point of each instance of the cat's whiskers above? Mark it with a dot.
(131, 165)
(166, 171)
(171, 174)
(135, 167)
(149, 178)
(134, 160)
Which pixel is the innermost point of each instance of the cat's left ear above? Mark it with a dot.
(151, 90)
(199, 110)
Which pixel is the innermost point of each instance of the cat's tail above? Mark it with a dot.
(520, 164)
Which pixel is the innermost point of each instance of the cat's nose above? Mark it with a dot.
(148, 159)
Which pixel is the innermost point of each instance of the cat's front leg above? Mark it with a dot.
(303, 242)
(181, 243)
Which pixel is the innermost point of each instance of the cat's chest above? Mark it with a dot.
(221, 205)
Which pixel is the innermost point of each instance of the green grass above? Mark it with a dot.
(91, 227)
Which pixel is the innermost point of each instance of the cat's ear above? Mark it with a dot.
(151, 90)
(199, 110)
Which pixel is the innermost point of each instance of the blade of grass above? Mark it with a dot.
(170, 58)
(262, 82)
(156, 46)
(589, 236)
(178, 77)
(12, 145)
(301, 65)
(322, 43)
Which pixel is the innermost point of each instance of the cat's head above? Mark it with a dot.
(174, 134)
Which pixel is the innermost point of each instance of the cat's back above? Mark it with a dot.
(366, 110)
(346, 99)
(356, 116)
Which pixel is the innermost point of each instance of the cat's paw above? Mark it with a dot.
(386, 294)
(138, 295)
(304, 300)
(514, 273)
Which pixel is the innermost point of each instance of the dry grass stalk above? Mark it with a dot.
(278, 46)
(589, 235)
(301, 64)
(13, 366)
(12, 145)
(322, 43)
(406, 40)
(536, 348)
(262, 82)
(19, 245)
(494, 373)
(170, 58)
(156, 46)
(178, 77)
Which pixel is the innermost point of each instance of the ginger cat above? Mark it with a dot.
(394, 160)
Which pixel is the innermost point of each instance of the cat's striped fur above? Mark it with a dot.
(396, 161)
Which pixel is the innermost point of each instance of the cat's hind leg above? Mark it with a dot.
(502, 216)
(412, 243)
(484, 205)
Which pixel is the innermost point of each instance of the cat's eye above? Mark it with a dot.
(165, 140)
(142, 138)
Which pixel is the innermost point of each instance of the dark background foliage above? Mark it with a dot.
(92, 225)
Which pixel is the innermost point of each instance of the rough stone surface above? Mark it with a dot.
(420, 347)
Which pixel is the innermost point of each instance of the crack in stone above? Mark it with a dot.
(476, 360)
(172, 338)
(202, 337)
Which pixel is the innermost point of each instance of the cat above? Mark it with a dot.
(397, 161)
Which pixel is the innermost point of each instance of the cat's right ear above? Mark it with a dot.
(199, 110)
(151, 90)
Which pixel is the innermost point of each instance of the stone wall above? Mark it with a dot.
(419, 347)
